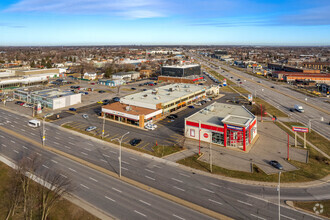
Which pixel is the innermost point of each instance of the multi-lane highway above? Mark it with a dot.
(232, 199)
(282, 97)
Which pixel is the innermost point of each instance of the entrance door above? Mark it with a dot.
(233, 138)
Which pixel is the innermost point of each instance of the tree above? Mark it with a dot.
(13, 195)
(33, 65)
(49, 64)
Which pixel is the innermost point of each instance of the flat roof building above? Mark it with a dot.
(223, 124)
(181, 71)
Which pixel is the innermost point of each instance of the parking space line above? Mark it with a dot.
(114, 136)
(138, 144)
(144, 146)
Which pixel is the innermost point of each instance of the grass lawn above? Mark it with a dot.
(319, 141)
(158, 151)
(309, 205)
(63, 210)
(269, 108)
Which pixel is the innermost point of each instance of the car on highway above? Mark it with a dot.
(145, 89)
(73, 109)
(85, 116)
(259, 81)
(276, 164)
(135, 141)
(273, 87)
(133, 88)
(90, 128)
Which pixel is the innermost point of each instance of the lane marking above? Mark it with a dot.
(12, 126)
(63, 175)
(32, 134)
(132, 158)
(106, 155)
(124, 162)
(23, 130)
(45, 166)
(4, 145)
(182, 174)
(2, 136)
(83, 153)
(57, 138)
(93, 179)
(288, 217)
(56, 143)
(258, 217)
(179, 188)
(114, 152)
(72, 170)
(140, 213)
(116, 190)
(149, 170)
(145, 202)
(71, 143)
(257, 197)
(104, 161)
(124, 168)
(16, 151)
(87, 149)
(213, 184)
(244, 202)
(178, 217)
(54, 161)
(38, 153)
(24, 147)
(67, 147)
(207, 190)
(12, 141)
(90, 144)
(215, 201)
(157, 166)
(71, 138)
(110, 198)
(149, 177)
(84, 186)
(29, 158)
(180, 181)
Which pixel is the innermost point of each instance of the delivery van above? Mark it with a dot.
(299, 108)
(34, 123)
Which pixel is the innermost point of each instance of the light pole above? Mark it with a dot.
(119, 158)
(310, 123)
(43, 128)
(103, 125)
(279, 195)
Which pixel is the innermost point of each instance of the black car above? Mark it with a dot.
(291, 110)
(135, 141)
(101, 91)
(133, 88)
(141, 85)
(276, 164)
(72, 109)
(170, 117)
(175, 116)
(116, 99)
(272, 87)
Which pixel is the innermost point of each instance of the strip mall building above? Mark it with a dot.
(147, 106)
(223, 124)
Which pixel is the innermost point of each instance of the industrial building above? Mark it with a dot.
(227, 125)
(181, 71)
(50, 98)
(142, 107)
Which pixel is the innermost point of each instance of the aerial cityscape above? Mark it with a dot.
(183, 110)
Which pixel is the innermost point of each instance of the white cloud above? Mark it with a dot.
(127, 8)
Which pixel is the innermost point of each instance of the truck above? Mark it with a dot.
(299, 108)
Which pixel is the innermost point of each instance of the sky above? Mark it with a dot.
(164, 22)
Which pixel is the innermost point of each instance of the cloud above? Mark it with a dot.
(125, 8)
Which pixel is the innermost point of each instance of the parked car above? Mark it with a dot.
(18, 102)
(170, 117)
(200, 84)
(101, 91)
(191, 106)
(100, 102)
(291, 110)
(133, 88)
(116, 99)
(174, 115)
(92, 83)
(198, 104)
(86, 93)
(10, 100)
(90, 128)
(276, 164)
(273, 87)
(85, 116)
(141, 84)
(22, 103)
(73, 109)
(135, 141)
(145, 89)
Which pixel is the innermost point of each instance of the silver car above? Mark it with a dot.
(90, 128)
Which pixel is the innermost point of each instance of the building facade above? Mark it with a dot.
(181, 71)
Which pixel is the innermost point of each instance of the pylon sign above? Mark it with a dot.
(300, 129)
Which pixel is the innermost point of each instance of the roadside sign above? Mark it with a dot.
(299, 129)
(206, 135)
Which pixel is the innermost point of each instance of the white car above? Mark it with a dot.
(9, 99)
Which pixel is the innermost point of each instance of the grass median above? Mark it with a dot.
(270, 108)
(158, 151)
(323, 207)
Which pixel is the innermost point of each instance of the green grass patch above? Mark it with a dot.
(269, 108)
(158, 151)
(62, 210)
(318, 140)
(309, 205)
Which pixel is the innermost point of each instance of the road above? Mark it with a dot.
(232, 199)
(283, 102)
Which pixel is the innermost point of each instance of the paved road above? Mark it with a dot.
(235, 200)
(284, 103)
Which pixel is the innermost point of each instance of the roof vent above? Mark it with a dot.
(145, 95)
(128, 108)
(211, 108)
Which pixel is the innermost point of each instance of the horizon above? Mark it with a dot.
(159, 22)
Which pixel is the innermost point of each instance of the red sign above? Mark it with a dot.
(206, 135)
(299, 129)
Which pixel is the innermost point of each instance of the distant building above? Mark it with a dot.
(181, 71)
(145, 73)
(112, 83)
(127, 76)
(317, 65)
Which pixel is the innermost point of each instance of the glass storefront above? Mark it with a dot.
(218, 138)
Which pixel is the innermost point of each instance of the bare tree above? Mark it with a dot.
(13, 195)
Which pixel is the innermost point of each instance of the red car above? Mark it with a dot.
(151, 84)
(22, 103)
(92, 83)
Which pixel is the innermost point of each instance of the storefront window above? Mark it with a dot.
(218, 138)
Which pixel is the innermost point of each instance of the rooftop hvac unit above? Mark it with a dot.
(128, 108)
(145, 95)
(211, 108)
(170, 89)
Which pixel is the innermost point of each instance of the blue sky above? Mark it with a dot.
(114, 22)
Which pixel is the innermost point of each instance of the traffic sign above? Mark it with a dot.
(206, 135)
(300, 129)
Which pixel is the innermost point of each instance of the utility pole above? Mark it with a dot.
(103, 125)
(119, 158)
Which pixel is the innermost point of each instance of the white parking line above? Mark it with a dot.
(140, 213)
(110, 198)
(288, 217)
(93, 179)
(124, 168)
(106, 155)
(24, 147)
(179, 188)
(72, 170)
(132, 158)
(244, 202)
(157, 166)
(32, 134)
(83, 153)
(180, 181)
(178, 217)
(57, 133)
(71, 138)
(54, 161)
(215, 201)
(149, 177)
(258, 217)
(116, 189)
(104, 161)
(45, 166)
(16, 151)
(207, 190)
(12, 126)
(182, 174)
(56, 143)
(213, 184)
(149, 170)
(4, 145)
(84, 186)
(124, 162)
(63, 175)
(2, 136)
(57, 138)
(23, 130)
(145, 202)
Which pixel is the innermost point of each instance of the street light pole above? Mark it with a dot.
(279, 195)
(119, 158)
(43, 131)
(103, 125)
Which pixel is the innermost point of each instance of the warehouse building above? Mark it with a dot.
(223, 124)
(50, 98)
(146, 106)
